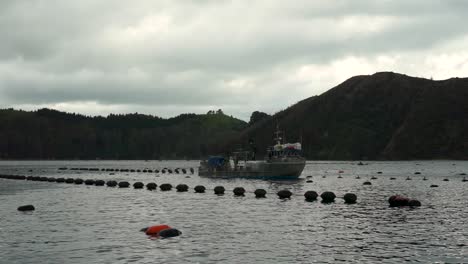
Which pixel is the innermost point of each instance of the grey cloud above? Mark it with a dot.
(188, 52)
(120, 88)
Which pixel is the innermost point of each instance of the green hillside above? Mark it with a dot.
(50, 134)
(381, 116)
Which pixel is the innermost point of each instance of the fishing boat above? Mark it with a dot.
(283, 161)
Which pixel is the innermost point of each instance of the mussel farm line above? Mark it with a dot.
(327, 197)
(192, 171)
(218, 190)
(146, 170)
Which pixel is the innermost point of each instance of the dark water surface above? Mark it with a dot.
(91, 224)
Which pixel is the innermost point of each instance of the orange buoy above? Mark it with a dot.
(154, 230)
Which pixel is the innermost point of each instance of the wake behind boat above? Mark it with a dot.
(282, 162)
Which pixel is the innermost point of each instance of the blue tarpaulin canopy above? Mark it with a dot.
(216, 161)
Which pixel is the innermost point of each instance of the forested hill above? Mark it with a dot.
(381, 116)
(50, 134)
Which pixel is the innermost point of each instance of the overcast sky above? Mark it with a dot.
(165, 58)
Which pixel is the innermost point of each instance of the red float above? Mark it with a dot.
(154, 230)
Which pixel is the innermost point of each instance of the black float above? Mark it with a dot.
(111, 183)
(311, 195)
(398, 200)
(199, 189)
(165, 187)
(170, 232)
(28, 207)
(414, 203)
(182, 188)
(284, 194)
(69, 180)
(328, 197)
(89, 182)
(260, 193)
(138, 185)
(350, 198)
(79, 181)
(99, 183)
(151, 186)
(124, 184)
(238, 191)
(219, 190)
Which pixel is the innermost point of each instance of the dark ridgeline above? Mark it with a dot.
(257, 116)
(381, 116)
(50, 134)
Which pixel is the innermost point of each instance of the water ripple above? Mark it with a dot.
(88, 224)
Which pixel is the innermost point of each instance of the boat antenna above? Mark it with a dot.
(278, 134)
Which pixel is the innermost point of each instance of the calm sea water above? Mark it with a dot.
(90, 224)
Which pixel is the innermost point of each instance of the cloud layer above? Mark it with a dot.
(171, 57)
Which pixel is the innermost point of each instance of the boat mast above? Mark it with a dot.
(278, 135)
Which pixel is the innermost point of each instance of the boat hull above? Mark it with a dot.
(258, 170)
